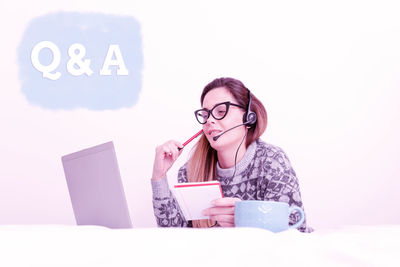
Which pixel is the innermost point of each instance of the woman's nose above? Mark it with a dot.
(210, 120)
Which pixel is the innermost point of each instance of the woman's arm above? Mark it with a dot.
(166, 208)
(282, 185)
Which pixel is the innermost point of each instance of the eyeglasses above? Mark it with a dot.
(219, 112)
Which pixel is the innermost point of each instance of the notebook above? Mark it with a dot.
(194, 198)
(95, 187)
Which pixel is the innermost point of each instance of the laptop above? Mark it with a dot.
(95, 187)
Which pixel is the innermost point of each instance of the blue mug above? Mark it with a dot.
(270, 215)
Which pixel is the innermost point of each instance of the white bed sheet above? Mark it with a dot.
(53, 245)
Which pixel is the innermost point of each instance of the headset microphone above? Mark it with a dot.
(215, 138)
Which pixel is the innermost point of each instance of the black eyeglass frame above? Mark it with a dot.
(227, 103)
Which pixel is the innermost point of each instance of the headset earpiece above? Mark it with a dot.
(250, 117)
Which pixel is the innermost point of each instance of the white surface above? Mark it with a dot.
(52, 245)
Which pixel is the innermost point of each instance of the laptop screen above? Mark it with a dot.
(95, 187)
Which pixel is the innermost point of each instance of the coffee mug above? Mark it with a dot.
(270, 215)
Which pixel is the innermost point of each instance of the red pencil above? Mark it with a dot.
(190, 139)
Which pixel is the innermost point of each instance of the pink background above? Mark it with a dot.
(328, 74)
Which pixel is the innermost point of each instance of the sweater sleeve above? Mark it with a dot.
(166, 208)
(283, 185)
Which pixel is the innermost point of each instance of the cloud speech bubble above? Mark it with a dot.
(73, 60)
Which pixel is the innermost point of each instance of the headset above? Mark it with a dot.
(250, 117)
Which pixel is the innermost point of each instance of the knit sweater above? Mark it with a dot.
(264, 173)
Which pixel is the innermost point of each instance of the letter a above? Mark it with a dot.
(118, 61)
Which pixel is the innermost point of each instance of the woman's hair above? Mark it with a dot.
(202, 163)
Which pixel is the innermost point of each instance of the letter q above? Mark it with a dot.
(47, 70)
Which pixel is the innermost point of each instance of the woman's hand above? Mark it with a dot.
(166, 154)
(223, 211)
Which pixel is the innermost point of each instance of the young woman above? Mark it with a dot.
(231, 152)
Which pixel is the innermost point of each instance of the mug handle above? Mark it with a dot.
(295, 208)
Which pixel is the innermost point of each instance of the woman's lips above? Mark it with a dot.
(214, 132)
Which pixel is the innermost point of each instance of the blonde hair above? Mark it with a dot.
(202, 164)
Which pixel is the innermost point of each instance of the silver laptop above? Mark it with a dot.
(95, 187)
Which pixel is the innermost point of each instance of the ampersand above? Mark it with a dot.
(76, 59)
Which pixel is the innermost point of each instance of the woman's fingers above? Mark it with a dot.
(223, 211)
(177, 144)
(219, 210)
(224, 205)
(226, 224)
(225, 201)
(222, 219)
(171, 149)
(166, 154)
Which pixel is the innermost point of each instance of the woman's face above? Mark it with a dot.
(234, 117)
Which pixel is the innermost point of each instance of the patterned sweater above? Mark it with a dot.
(264, 173)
